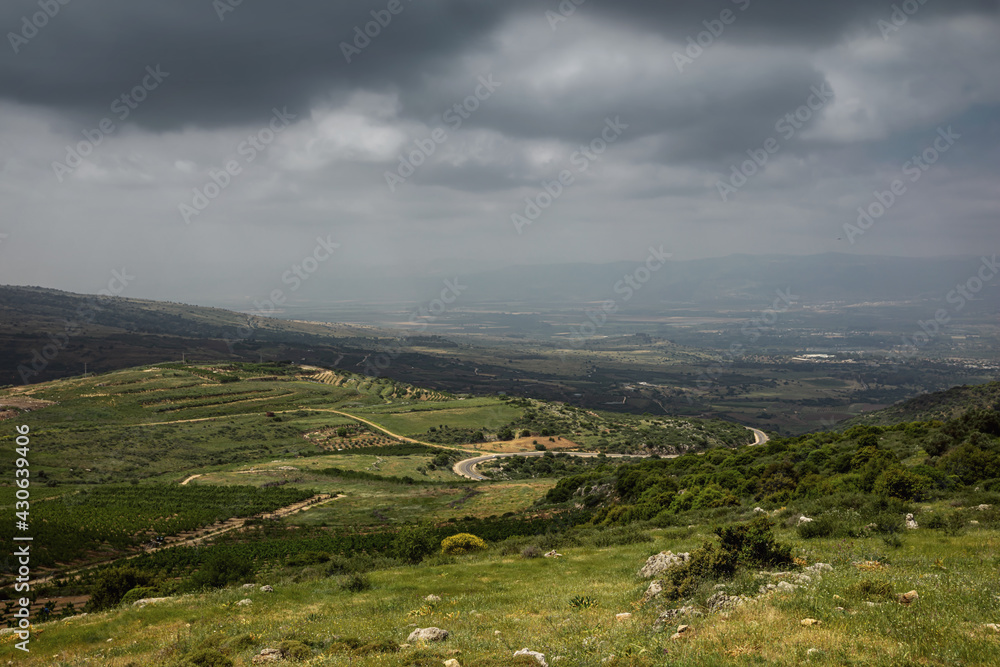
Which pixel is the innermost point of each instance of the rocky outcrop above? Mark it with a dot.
(427, 635)
(662, 562)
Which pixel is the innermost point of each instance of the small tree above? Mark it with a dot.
(413, 544)
(462, 543)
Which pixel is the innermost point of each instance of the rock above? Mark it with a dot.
(983, 507)
(786, 587)
(432, 598)
(248, 586)
(553, 554)
(818, 568)
(722, 602)
(452, 663)
(809, 622)
(671, 614)
(682, 631)
(540, 657)
(144, 601)
(655, 588)
(759, 510)
(803, 519)
(267, 655)
(245, 602)
(427, 635)
(911, 524)
(973, 522)
(995, 627)
(908, 598)
(813, 653)
(266, 589)
(623, 617)
(662, 562)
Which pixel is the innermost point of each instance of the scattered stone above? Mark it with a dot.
(995, 627)
(984, 507)
(682, 631)
(452, 663)
(814, 653)
(809, 622)
(818, 568)
(786, 587)
(671, 614)
(247, 587)
(911, 524)
(496, 633)
(803, 519)
(267, 655)
(540, 657)
(973, 522)
(432, 598)
(553, 554)
(245, 602)
(655, 588)
(759, 510)
(908, 598)
(838, 609)
(662, 562)
(718, 587)
(428, 635)
(623, 616)
(266, 589)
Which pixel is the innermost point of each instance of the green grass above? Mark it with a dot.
(493, 605)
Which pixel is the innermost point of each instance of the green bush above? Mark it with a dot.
(294, 650)
(356, 582)
(138, 593)
(414, 543)
(113, 584)
(208, 657)
(462, 543)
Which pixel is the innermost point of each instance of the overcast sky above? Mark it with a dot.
(644, 109)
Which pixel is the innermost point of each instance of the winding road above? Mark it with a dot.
(467, 467)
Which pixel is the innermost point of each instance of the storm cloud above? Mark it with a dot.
(207, 145)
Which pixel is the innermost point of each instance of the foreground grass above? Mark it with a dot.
(493, 605)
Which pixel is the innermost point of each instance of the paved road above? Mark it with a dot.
(467, 467)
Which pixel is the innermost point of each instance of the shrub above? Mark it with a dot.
(356, 582)
(294, 650)
(112, 585)
(531, 552)
(138, 593)
(868, 589)
(462, 543)
(221, 570)
(208, 657)
(413, 544)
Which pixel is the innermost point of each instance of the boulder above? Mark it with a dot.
(540, 657)
(819, 568)
(809, 622)
(427, 635)
(911, 524)
(682, 631)
(432, 598)
(623, 616)
(662, 562)
(248, 586)
(245, 602)
(266, 589)
(144, 601)
(722, 602)
(553, 554)
(655, 588)
(908, 598)
(452, 663)
(267, 655)
(995, 627)
(984, 507)
(803, 519)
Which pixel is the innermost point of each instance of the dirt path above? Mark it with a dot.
(184, 483)
(202, 534)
